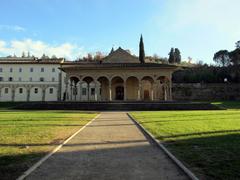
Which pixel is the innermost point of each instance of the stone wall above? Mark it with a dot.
(211, 91)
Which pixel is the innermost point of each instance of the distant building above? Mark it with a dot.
(117, 77)
(28, 79)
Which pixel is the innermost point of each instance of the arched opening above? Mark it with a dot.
(36, 94)
(51, 94)
(132, 84)
(163, 86)
(88, 89)
(117, 88)
(104, 88)
(88, 79)
(73, 87)
(119, 93)
(147, 88)
(6, 94)
(20, 94)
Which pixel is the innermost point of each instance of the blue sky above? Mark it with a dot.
(74, 27)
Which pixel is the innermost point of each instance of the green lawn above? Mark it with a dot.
(208, 142)
(25, 136)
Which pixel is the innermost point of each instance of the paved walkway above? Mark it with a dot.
(111, 147)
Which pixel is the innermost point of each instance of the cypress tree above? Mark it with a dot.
(171, 58)
(141, 51)
(177, 56)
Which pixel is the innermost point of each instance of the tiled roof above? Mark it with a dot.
(120, 56)
(114, 65)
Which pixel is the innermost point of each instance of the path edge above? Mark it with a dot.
(43, 159)
(189, 173)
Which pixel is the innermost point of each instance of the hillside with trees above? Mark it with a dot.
(227, 69)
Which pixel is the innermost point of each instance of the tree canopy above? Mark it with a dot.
(171, 58)
(225, 58)
(222, 58)
(174, 56)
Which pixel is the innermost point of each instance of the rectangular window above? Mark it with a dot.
(1, 78)
(92, 91)
(20, 79)
(84, 91)
(51, 91)
(6, 90)
(31, 69)
(1, 70)
(53, 69)
(20, 69)
(36, 90)
(53, 79)
(10, 79)
(20, 90)
(41, 79)
(30, 79)
(11, 69)
(42, 69)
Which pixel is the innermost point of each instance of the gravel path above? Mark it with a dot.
(111, 147)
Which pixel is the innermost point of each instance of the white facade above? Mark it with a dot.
(26, 79)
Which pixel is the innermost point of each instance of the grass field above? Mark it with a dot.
(208, 142)
(25, 136)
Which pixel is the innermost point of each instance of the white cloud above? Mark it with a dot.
(38, 48)
(12, 28)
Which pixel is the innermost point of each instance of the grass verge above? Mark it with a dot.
(26, 136)
(208, 142)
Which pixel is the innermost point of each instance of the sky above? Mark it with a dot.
(73, 28)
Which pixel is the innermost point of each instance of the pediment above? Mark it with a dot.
(120, 56)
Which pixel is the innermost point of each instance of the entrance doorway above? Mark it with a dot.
(146, 95)
(119, 93)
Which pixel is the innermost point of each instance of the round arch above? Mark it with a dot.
(74, 79)
(104, 88)
(20, 94)
(132, 86)
(6, 94)
(163, 85)
(87, 79)
(51, 94)
(147, 88)
(36, 94)
(117, 88)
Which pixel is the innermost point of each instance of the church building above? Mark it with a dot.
(120, 76)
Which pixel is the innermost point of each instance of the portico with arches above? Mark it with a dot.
(118, 77)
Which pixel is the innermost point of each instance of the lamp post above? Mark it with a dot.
(225, 80)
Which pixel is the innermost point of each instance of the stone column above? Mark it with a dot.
(165, 91)
(43, 94)
(110, 91)
(75, 91)
(139, 90)
(170, 90)
(66, 90)
(96, 91)
(71, 91)
(153, 89)
(88, 94)
(80, 90)
(125, 90)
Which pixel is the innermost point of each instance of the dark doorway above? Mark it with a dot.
(119, 93)
(146, 95)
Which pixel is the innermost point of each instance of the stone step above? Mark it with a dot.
(117, 106)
